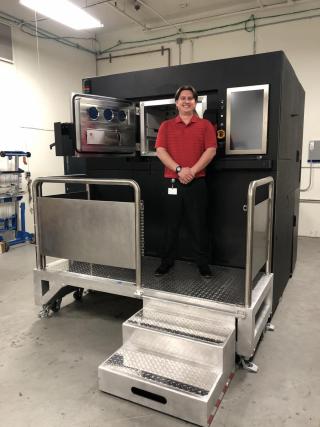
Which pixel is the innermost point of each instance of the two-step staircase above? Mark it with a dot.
(175, 358)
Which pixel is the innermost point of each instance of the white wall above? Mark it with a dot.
(37, 90)
(299, 40)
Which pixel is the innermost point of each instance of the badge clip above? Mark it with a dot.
(173, 191)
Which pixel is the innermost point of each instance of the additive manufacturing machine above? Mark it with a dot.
(178, 353)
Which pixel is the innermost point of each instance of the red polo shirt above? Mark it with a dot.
(186, 143)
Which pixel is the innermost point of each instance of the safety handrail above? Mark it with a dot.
(37, 192)
(250, 227)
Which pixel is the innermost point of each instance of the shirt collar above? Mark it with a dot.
(194, 119)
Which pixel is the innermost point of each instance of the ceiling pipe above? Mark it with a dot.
(110, 57)
(223, 15)
(209, 34)
(177, 25)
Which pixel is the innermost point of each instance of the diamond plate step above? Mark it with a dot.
(195, 328)
(175, 386)
(176, 374)
(176, 358)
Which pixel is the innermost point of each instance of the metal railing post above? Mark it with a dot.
(36, 193)
(250, 227)
(270, 231)
(137, 202)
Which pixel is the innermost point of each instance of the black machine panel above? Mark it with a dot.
(228, 176)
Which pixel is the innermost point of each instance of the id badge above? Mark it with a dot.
(172, 191)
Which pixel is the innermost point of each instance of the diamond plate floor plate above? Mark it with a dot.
(226, 284)
(174, 374)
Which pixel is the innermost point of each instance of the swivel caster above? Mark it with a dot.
(270, 327)
(4, 247)
(77, 295)
(249, 366)
(56, 305)
(44, 312)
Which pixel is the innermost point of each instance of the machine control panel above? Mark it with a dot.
(221, 125)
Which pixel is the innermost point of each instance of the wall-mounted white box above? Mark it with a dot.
(314, 151)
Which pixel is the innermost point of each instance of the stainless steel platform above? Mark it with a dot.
(226, 284)
(178, 353)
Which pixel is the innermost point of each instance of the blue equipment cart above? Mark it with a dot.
(11, 194)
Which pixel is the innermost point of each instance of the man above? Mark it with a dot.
(186, 145)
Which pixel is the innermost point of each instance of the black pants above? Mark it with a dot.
(189, 203)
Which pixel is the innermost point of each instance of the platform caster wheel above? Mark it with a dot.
(77, 295)
(44, 312)
(56, 305)
(270, 327)
(249, 366)
(4, 247)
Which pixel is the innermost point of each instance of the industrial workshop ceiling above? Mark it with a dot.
(148, 15)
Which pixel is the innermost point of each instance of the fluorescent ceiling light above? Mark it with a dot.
(65, 12)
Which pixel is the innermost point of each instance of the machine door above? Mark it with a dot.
(153, 113)
(103, 124)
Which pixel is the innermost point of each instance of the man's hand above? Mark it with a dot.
(186, 175)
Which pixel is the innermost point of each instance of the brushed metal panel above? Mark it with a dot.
(260, 237)
(91, 231)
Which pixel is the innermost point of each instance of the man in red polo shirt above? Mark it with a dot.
(186, 145)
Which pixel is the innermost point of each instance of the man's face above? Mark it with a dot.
(186, 103)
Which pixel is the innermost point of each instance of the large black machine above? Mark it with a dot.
(256, 104)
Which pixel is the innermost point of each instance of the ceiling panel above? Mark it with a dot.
(146, 14)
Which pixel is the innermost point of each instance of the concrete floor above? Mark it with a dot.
(48, 367)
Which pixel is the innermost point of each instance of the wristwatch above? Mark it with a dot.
(178, 169)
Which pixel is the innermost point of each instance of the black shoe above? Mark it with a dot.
(163, 268)
(205, 271)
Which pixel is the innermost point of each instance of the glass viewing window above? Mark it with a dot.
(247, 119)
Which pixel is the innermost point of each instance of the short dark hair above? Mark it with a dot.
(186, 87)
